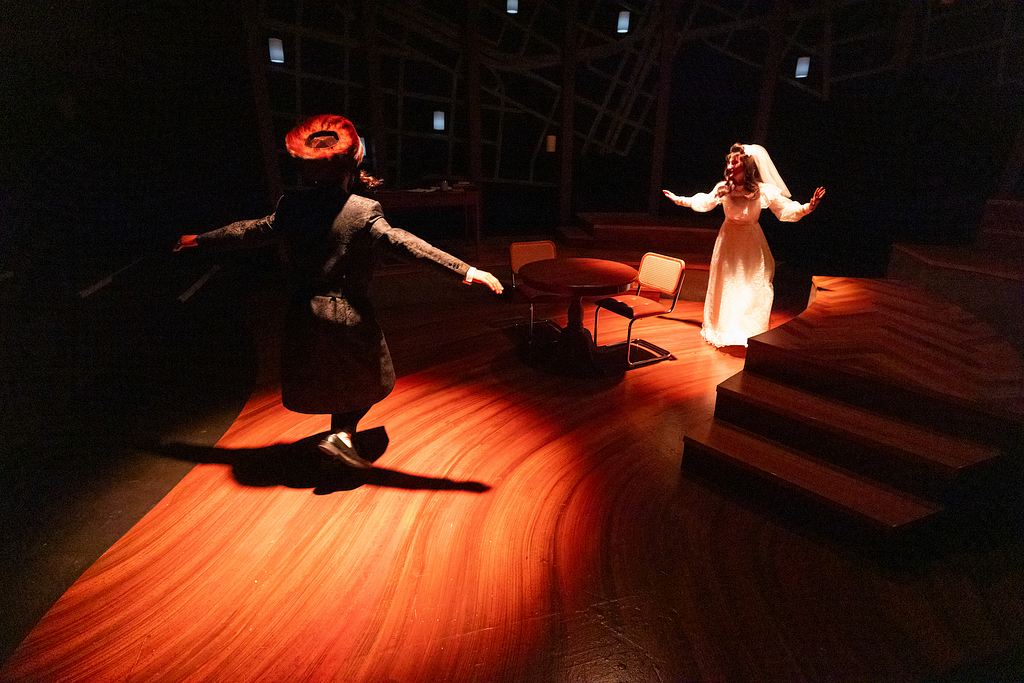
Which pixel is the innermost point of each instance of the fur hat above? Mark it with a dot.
(325, 137)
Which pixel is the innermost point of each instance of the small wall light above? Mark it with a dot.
(550, 140)
(803, 65)
(512, 6)
(276, 51)
(623, 22)
(438, 120)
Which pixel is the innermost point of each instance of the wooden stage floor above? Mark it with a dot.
(518, 526)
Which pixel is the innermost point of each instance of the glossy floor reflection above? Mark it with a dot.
(518, 526)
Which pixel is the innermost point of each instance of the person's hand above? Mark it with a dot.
(818, 194)
(483, 277)
(186, 241)
(675, 198)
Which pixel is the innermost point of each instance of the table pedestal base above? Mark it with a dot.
(572, 353)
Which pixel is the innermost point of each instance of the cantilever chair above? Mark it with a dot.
(658, 273)
(521, 253)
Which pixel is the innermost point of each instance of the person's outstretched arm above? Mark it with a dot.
(702, 201)
(243, 233)
(786, 209)
(416, 247)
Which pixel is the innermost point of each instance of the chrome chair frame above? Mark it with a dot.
(657, 272)
(521, 253)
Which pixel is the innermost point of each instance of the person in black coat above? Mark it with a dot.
(335, 359)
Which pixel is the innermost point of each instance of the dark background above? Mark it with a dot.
(130, 123)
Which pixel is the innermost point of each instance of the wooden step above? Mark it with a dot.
(795, 471)
(834, 377)
(695, 240)
(695, 236)
(873, 444)
(634, 218)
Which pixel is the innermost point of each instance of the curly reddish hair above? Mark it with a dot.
(751, 174)
(325, 137)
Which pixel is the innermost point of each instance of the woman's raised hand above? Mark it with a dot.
(675, 198)
(818, 194)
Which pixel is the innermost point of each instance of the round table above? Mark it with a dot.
(575, 278)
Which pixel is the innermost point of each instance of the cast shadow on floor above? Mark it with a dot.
(605, 364)
(301, 465)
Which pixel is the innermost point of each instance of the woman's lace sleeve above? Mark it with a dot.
(785, 209)
(703, 201)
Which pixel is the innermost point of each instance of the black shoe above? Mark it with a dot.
(339, 446)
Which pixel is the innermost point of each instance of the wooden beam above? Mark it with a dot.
(569, 53)
(476, 169)
(770, 75)
(257, 55)
(378, 129)
(1010, 177)
(669, 46)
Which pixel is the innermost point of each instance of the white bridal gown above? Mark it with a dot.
(739, 299)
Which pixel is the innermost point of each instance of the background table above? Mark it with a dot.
(573, 351)
(467, 198)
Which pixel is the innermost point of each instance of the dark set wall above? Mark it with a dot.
(910, 156)
(134, 122)
(128, 123)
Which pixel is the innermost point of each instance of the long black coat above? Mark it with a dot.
(335, 358)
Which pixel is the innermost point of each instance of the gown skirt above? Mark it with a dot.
(740, 293)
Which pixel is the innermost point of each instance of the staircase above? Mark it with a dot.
(878, 402)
